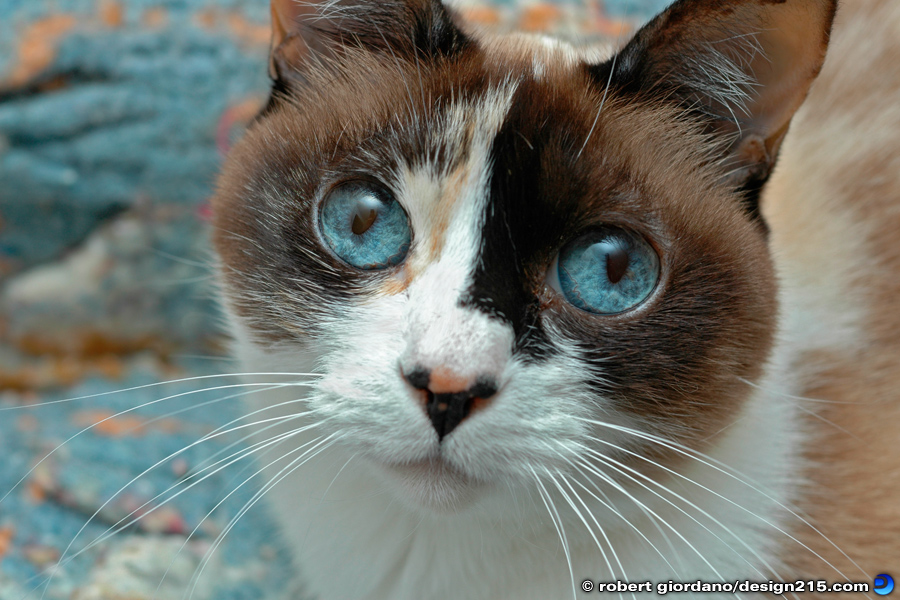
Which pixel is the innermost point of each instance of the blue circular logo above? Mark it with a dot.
(884, 585)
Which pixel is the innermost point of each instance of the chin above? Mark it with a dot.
(433, 485)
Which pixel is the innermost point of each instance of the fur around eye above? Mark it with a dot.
(365, 226)
(608, 271)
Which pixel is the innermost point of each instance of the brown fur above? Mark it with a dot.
(833, 205)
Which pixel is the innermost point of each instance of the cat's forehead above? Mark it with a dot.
(542, 52)
(377, 111)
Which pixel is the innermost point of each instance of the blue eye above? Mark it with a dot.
(365, 226)
(608, 271)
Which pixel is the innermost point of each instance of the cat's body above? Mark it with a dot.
(580, 417)
(833, 207)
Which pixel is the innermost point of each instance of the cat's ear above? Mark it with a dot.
(745, 65)
(319, 31)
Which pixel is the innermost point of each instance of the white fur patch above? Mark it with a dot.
(449, 205)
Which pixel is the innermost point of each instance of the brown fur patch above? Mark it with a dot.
(454, 185)
(397, 284)
(840, 169)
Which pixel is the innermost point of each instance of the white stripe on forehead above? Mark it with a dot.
(446, 204)
(446, 200)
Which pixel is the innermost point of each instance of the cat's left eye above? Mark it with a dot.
(607, 272)
(365, 226)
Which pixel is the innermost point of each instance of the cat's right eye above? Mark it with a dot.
(365, 226)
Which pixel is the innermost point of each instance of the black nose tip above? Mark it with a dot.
(418, 378)
(448, 409)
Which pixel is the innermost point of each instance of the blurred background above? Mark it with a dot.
(114, 118)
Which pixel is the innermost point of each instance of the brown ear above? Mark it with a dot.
(305, 32)
(743, 65)
(288, 46)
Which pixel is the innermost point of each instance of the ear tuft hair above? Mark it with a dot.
(741, 66)
(314, 32)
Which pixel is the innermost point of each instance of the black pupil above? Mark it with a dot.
(365, 213)
(616, 262)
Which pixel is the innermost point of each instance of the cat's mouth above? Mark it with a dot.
(434, 484)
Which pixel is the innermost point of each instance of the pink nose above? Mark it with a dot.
(449, 398)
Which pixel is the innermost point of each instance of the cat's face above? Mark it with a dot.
(484, 244)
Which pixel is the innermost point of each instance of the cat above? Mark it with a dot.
(561, 318)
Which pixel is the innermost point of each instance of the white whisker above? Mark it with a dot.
(161, 383)
(557, 522)
(606, 502)
(622, 490)
(724, 469)
(320, 445)
(580, 516)
(621, 468)
(223, 430)
(612, 70)
(137, 513)
(136, 408)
